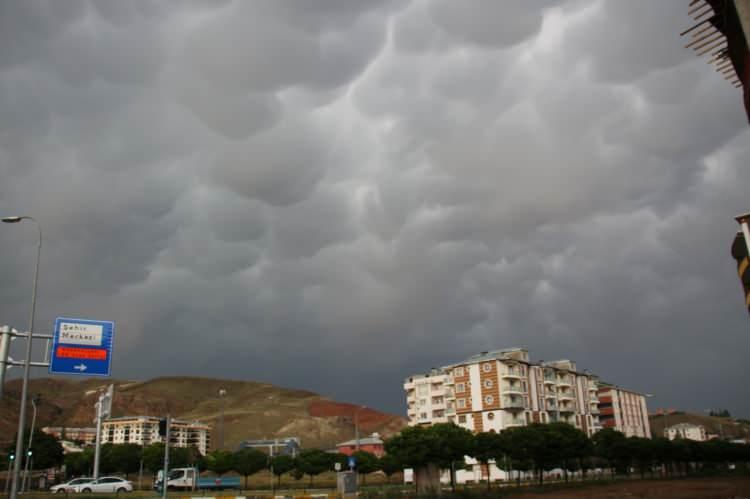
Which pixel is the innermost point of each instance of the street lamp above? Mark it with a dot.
(34, 401)
(356, 427)
(222, 394)
(27, 362)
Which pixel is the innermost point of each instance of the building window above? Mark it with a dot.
(422, 402)
(487, 367)
(490, 416)
(462, 418)
(489, 400)
(459, 371)
(461, 403)
(488, 383)
(422, 389)
(460, 388)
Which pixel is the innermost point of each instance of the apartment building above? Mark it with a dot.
(624, 410)
(492, 391)
(428, 398)
(686, 431)
(87, 436)
(144, 430)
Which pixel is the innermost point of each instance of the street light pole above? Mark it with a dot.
(25, 483)
(27, 361)
(222, 394)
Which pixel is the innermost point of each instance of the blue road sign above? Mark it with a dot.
(352, 462)
(82, 347)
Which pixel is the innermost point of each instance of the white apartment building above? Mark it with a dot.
(144, 430)
(495, 390)
(624, 410)
(686, 431)
(428, 397)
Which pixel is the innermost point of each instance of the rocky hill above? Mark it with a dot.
(251, 410)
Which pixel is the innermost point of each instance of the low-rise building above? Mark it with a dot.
(144, 430)
(687, 431)
(87, 436)
(372, 444)
(624, 410)
(286, 446)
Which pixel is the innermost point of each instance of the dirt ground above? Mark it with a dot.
(706, 488)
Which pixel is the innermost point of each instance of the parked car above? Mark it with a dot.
(69, 485)
(105, 484)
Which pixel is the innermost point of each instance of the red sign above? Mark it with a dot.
(81, 353)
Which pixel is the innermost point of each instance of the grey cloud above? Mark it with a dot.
(278, 190)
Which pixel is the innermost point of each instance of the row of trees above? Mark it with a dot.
(128, 459)
(543, 447)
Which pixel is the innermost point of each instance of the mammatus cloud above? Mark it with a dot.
(338, 194)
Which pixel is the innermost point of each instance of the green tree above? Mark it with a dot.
(573, 445)
(79, 463)
(517, 452)
(45, 449)
(487, 447)
(180, 457)
(125, 458)
(542, 444)
(366, 463)
(642, 451)
(313, 462)
(609, 445)
(153, 457)
(390, 465)
(280, 465)
(453, 444)
(249, 461)
(219, 461)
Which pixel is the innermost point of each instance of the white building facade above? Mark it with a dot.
(495, 390)
(144, 430)
(686, 431)
(624, 410)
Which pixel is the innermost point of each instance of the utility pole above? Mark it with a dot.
(165, 475)
(103, 410)
(222, 394)
(24, 483)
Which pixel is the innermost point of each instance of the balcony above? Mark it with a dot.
(513, 403)
(565, 396)
(549, 380)
(511, 374)
(567, 408)
(515, 422)
(515, 388)
(563, 381)
(594, 410)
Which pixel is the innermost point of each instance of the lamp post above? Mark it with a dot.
(356, 427)
(222, 394)
(25, 483)
(27, 361)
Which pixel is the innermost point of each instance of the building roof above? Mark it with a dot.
(683, 426)
(603, 385)
(371, 440)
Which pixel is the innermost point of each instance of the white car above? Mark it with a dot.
(70, 485)
(105, 484)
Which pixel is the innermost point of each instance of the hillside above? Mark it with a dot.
(729, 427)
(252, 410)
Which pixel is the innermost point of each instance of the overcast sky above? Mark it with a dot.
(334, 195)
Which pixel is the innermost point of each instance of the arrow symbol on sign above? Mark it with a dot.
(80, 367)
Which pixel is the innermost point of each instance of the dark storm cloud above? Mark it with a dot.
(334, 195)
